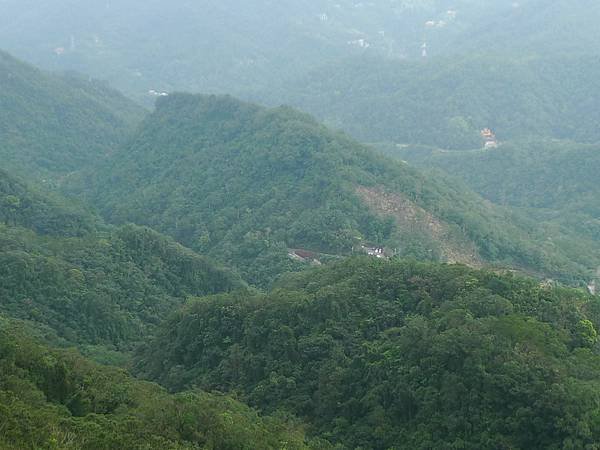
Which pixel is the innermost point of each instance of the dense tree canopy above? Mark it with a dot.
(23, 206)
(556, 182)
(446, 102)
(358, 353)
(379, 355)
(51, 400)
(242, 183)
(89, 283)
(52, 125)
(107, 289)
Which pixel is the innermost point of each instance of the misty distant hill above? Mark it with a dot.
(240, 47)
(446, 102)
(52, 125)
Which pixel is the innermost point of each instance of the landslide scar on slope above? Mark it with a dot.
(408, 215)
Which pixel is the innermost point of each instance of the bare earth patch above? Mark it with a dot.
(409, 216)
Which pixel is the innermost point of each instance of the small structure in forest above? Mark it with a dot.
(489, 138)
(305, 256)
(377, 252)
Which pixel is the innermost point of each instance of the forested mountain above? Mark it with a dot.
(52, 125)
(89, 284)
(244, 184)
(446, 102)
(218, 247)
(556, 182)
(536, 173)
(378, 355)
(218, 46)
(238, 47)
(52, 399)
(357, 65)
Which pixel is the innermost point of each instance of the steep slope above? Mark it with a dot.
(380, 355)
(244, 183)
(53, 399)
(51, 125)
(106, 288)
(556, 182)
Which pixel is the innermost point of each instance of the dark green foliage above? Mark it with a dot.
(379, 355)
(109, 289)
(256, 181)
(89, 283)
(51, 126)
(56, 400)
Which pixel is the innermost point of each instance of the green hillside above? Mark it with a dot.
(51, 125)
(556, 182)
(546, 174)
(380, 355)
(107, 289)
(89, 284)
(23, 206)
(543, 53)
(208, 46)
(243, 184)
(52, 400)
(445, 102)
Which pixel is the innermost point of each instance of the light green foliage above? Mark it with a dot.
(554, 182)
(22, 206)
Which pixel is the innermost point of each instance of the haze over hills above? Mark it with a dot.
(298, 52)
(220, 46)
(52, 125)
(446, 102)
